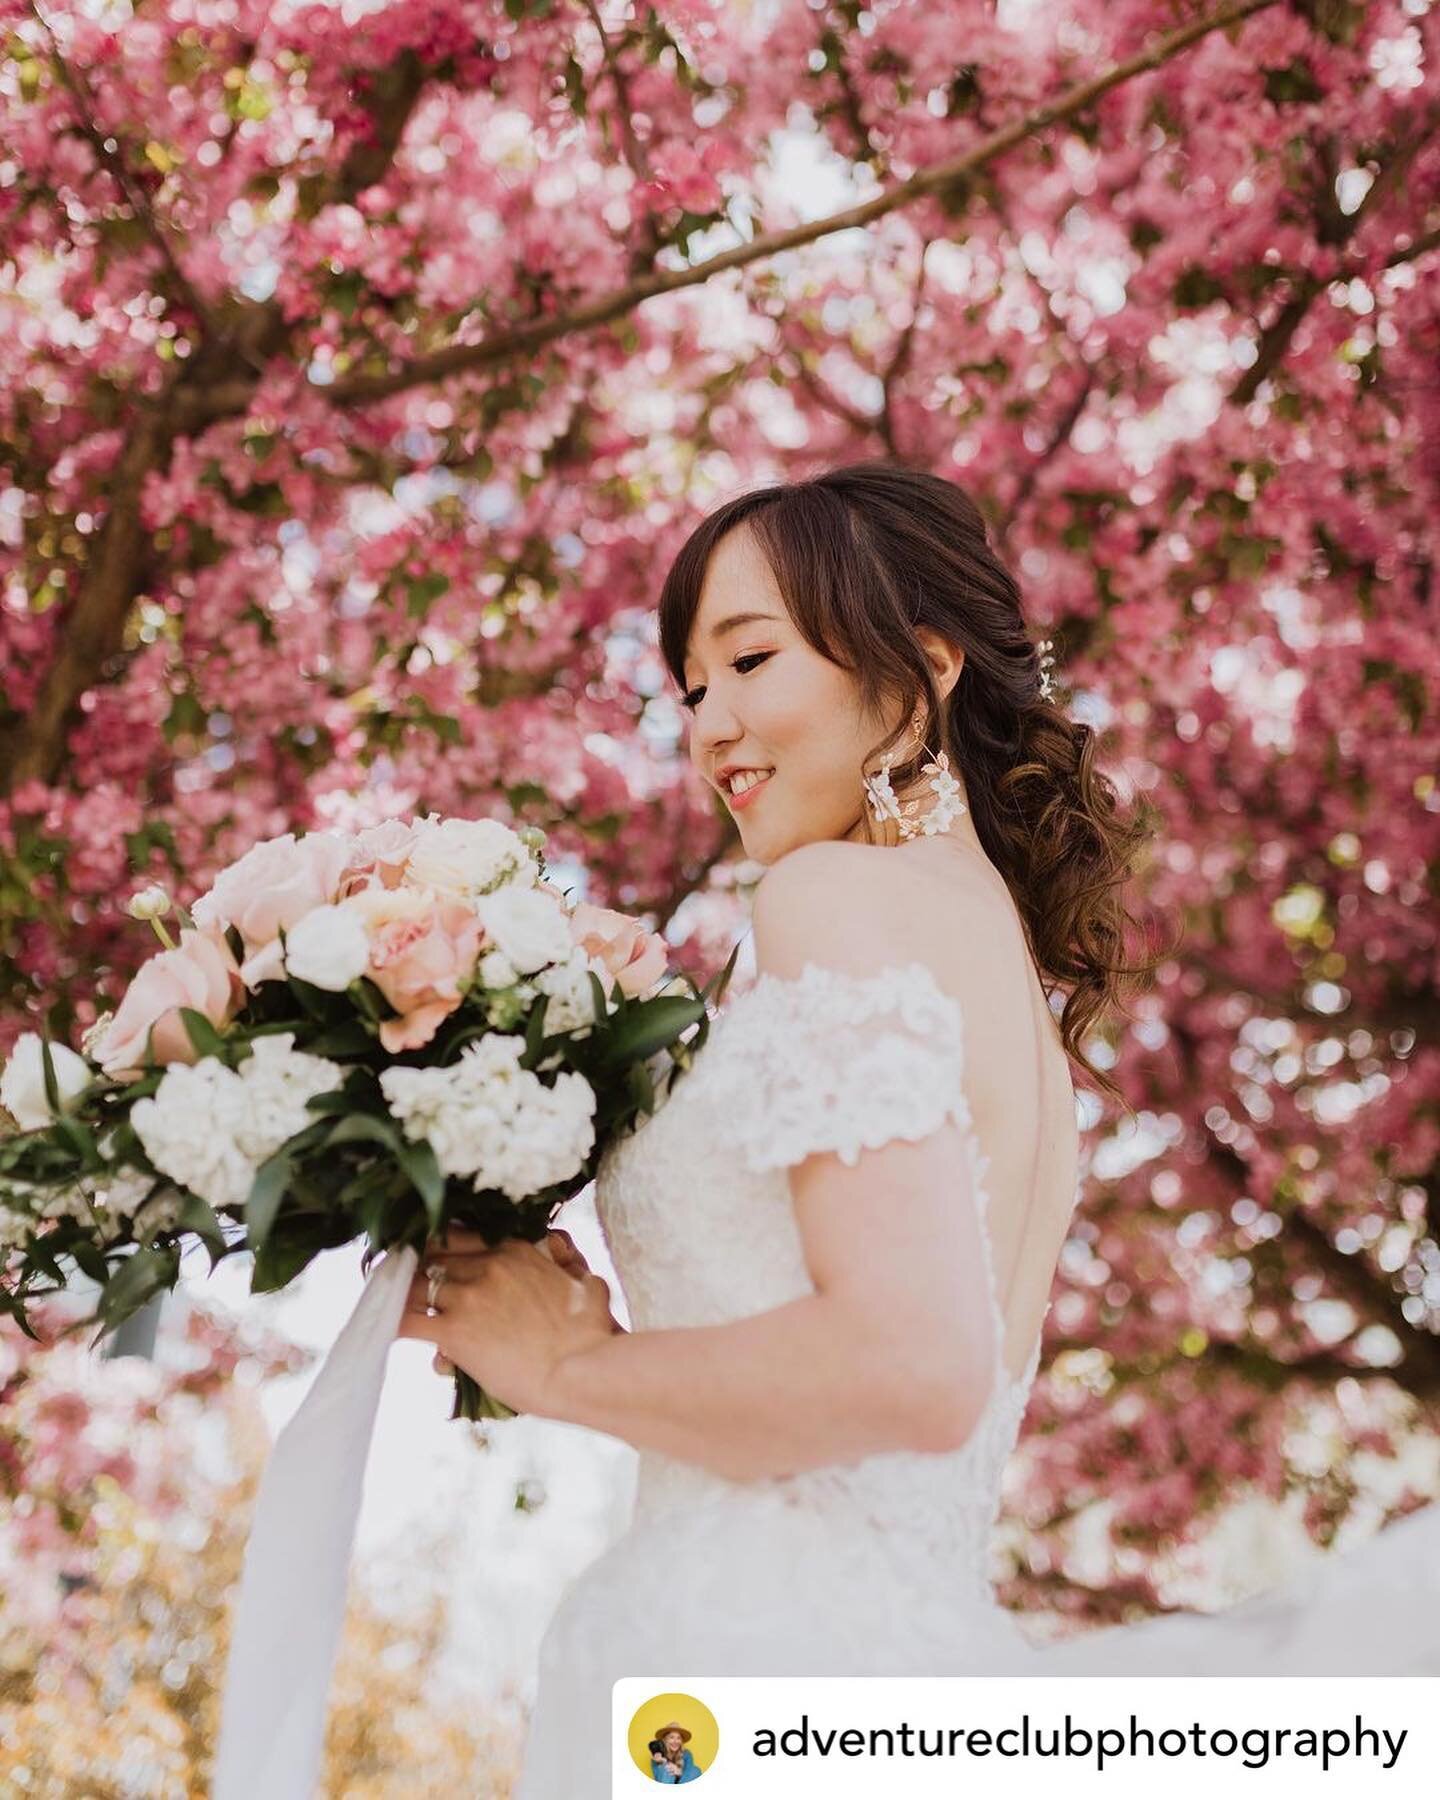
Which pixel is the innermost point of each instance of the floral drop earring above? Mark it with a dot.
(946, 809)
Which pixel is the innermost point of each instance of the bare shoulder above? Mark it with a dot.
(859, 909)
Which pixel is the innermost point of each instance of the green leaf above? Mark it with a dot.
(349, 1039)
(535, 1029)
(138, 1279)
(90, 1261)
(199, 1216)
(419, 1163)
(330, 1104)
(80, 1139)
(720, 982)
(279, 1262)
(602, 1000)
(202, 1034)
(272, 1179)
(650, 1026)
(52, 1086)
(360, 1127)
(39, 1254)
(642, 1086)
(317, 1002)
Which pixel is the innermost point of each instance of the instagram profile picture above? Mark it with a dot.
(673, 1739)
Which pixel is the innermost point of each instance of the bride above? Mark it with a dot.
(838, 1232)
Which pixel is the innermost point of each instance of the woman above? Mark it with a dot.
(837, 1236)
(673, 1764)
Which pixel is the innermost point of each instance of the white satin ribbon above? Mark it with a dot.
(287, 1619)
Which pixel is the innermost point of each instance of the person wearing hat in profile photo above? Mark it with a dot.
(671, 1762)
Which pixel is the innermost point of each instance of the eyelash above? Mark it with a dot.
(691, 700)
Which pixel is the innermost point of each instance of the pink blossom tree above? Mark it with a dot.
(365, 364)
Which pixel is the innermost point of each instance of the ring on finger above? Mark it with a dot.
(435, 1276)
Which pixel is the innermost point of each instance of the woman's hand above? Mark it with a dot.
(509, 1316)
(562, 1249)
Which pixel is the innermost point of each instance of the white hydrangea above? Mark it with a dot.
(572, 998)
(469, 857)
(496, 971)
(527, 926)
(209, 1128)
(122, 1191)
(16, 1225)
(487, 1118)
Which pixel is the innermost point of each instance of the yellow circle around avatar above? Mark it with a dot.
(685, 1732)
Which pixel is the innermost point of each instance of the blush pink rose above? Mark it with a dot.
(200, 973)
(635, 957)
(268, 890)
(423, 949)
(378, 856)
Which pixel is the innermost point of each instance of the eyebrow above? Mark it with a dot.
(728, 624)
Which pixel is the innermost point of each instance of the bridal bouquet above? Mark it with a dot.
(368, 1036)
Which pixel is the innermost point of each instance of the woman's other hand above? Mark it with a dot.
(572, 1261)
(508, 1316)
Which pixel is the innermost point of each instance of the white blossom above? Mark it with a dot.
(469, 857)
(150, 903)
(329, 948)
(22, 1086)
(527, 926)
(15, 1227)
(572, 997)
(209, 1127)
(496, 970)
(487, 1118)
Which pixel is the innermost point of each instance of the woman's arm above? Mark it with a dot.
(804, 1384)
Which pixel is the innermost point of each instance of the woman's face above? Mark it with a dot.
(674, 1743)
(784, 708)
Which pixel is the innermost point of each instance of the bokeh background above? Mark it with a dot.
(362, 366)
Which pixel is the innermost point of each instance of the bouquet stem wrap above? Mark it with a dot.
(293, 1589)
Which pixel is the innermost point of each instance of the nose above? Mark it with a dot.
(714, 731)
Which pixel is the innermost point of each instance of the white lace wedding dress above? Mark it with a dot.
(877, 1567)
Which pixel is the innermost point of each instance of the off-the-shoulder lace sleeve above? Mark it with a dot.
(830, 1061)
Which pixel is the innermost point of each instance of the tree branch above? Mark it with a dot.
(644, 253)
(1274, 341)
(935, 178)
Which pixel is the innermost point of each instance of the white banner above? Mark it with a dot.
(807, 1738)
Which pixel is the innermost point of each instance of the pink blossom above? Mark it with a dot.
(200, 973)
(637, 958)
(423, 949)
(270, 889)
(380, 853)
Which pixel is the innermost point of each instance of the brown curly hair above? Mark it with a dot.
(866, 554)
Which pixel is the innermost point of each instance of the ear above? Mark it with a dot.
(946, 659)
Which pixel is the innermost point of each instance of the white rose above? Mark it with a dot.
(329, 948)
(527, 927)
(22, 1086)
(467, 857)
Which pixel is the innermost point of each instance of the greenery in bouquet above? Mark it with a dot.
(368, 1036)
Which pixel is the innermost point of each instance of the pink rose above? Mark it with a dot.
(635, 957)
(201, 973)
(422, 950)
(378, 856)
(268, 890)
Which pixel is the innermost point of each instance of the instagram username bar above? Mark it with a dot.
(970, 1737)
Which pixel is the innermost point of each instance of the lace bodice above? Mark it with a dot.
(697, 1210)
